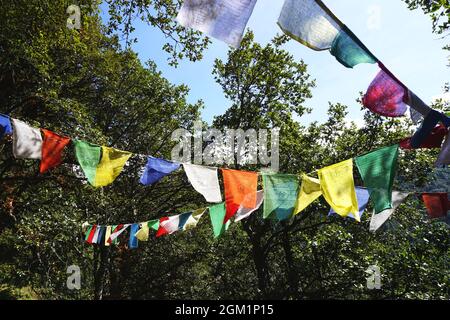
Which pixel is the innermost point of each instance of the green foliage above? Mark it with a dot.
(438, 10)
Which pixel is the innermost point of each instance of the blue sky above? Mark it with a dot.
(400, 38)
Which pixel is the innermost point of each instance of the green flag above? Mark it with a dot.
(217, 215)
(153, 224)
(88, 156)
(349, 50)
(378, 170)
(280, 195)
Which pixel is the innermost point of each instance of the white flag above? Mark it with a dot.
(379, 219)
(27, 141)
(205, 181)
(222, 19)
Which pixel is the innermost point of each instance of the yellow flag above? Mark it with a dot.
(107, 235)
(110, 166)
(338, 188)
(309, 191)
(142, 234)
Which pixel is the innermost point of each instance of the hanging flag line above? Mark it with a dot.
(283, 195)
(109, 234)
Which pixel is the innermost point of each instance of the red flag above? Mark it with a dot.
(434, 140)
(437, 204)
(91, 234)
(161, 231)
(52, 149)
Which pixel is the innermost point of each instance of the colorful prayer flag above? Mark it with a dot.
(309, 191)
(156, 169)
(437, 204)
(309, 22)
(133, 242)
(428, 124)
(144, 231)
(90, 233)
(362, 196)
(434, 139)
(88, 156)
(107, 235)
(110, 166)
(217, 216)
(240, 190)
(223, 20)
(193, 219)
(117, 231)
(243, 212)
(379, 219)
(280, 195)
(385, 96)
(378, 169)
(27, 141)
(349, 50)
(5, 125)
(161, 230)
(338, 187)
(52, 150)
(205, 181)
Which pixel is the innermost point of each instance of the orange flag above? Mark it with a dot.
(240, 190)
(52, 149)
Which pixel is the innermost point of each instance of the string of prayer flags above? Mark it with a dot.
(377, 220)
(110, 166)
(280, 195)
(429, 123)
(205, 181)
(338, 187)
(156, 169)
(437, 204)
(88, 156)
(349, 50)
(217, 215)
(309, 22)
(243, 212)
(5, 125)
(133, 241)
(52, 150)
(240, 190)
(443, 158)
(434, 139)
(378, 169)
(27, 141)
(223, 20)
(362, 196)
(385, 96)
(310, 190)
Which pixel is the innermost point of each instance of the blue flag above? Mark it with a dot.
(156, 169)
(133, 243)
(5, 125)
